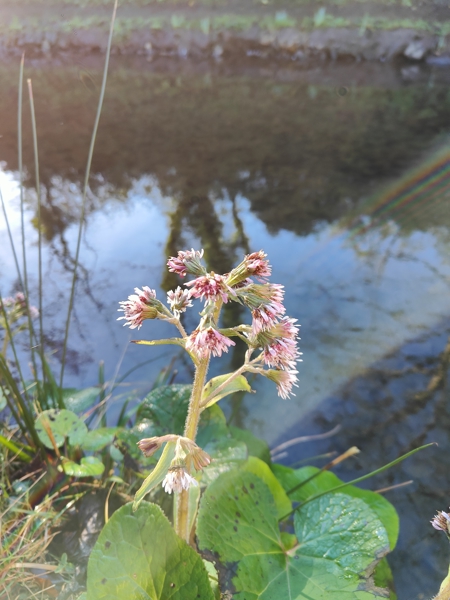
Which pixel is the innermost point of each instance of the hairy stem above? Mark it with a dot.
(190, 432)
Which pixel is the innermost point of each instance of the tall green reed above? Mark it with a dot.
(85, 189)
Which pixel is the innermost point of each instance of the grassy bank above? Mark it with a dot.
(222, 15)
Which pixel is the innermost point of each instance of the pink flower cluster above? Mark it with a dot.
(271, 308)
(280, 350)
(210, 287)
(187, 261)
(18, 304)
(272, 331)
(178, 479)
(178, 300)
(138, 307)
(441, 522)
(203, 342)
(280, 344)
(285, 380)
(257, 265)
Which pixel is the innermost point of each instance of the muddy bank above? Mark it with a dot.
(288, 43)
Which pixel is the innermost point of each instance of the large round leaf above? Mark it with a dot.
(98, 438)
(79, 400)
(322, 481)
(166, 407)
(59, 425)
(256, 446)
(138, 556)
(214, 437)
(340, 541)
(89, 466)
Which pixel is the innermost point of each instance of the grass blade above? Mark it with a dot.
(11, 241)
(24, 416)
(12, 344)
(358, 479)
(12, 447)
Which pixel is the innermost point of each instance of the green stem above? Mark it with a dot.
(190, 432)
(39, 226)
(174, 341)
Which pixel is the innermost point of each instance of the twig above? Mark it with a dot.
(393, 487)
(305, 438)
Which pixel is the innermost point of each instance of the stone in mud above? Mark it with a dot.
(418, 49)
(267, 38)
(338, 42)
(291, 39)
(200, 41)
(370, 45)
(217, 51)
(30, 38)
(163, 41)
(442, 60)
(94, 39)
(393, 43)
(46, 47)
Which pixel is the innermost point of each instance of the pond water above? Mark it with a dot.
(339, 172)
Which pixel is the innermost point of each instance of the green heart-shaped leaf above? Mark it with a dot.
(139, 556)
(289, 478)
(99, 438)
(89, 466)
(166, 407)
(255, 446)
(340, 541)
(79, 400)
(60, 424)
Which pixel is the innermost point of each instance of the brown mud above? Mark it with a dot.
(363, 31)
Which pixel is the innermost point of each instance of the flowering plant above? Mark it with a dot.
(247, 527)
(272, 352)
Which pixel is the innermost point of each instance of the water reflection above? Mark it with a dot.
(347, 193)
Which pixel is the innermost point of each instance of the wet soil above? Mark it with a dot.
(360, 30)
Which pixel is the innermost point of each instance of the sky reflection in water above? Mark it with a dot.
(356, 298)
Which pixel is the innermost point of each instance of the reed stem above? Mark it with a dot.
(38, 192)
(85, 188)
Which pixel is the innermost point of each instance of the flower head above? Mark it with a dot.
(257, 265)
(285, 380)
(203, 342)
(199, 458)
(187, 261)
(34, 313)
(149, 446)
(266, 303)
(441, 522)
(139, 306)
(253, 265)
(210, 287)
(18, 307)
(178, 300)
(280, 344)
(178, 479)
